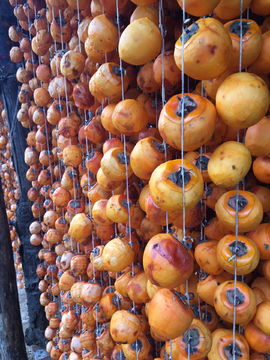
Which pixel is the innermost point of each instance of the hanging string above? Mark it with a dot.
(241, 37)
(35, 11)
(44, 113)
(55, 46)
(120, 60)
(30, 38)
(124, 136)
(60, 109)
(128, 228)
(163, 90)
(203, 213)
(65, 89)
(237, 200)
(163, 101)
(182, 150)
(78, 307)
(243, 182)
(48, 154)
(156, 109)
(162, 31)
(182, 122)
(79, 20)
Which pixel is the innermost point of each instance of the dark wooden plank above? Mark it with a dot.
(34, 335)
(12, 345)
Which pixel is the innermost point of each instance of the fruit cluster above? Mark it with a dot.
(148, 153)
(11, 192)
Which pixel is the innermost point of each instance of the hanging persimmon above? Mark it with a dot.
(207, 49)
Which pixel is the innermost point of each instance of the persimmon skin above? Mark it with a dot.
(167, 194)
(124, 327)
(242, 100)
(206, 288)
(206, 256)
(141, 165)
(257, 138)
(223, 302)
(229, 164)
(261, 318)
(249, 217)
(261, 169)
(246, 261)
(207, 52)
(256, 339)
(167, 302)
(140, 42)
(129, 116)
(221, 338)
(251, 42)
(199, 124)
(262, 63)
(166, 261)
(229, 9)
(199, 8)
(261, 236)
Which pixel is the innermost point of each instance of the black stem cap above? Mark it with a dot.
(185, 106)
(232, 352)
(235, 297)
(189, 32)
(235, 27)
(240, 200)
(180, 177)
(238, 248)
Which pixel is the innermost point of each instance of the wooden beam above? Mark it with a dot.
(12, 345)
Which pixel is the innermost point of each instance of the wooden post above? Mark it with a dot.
(34, 334)
(12, 345)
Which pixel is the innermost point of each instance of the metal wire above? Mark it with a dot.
(59, 103)
(163, 90)
(241, 37)
(237, 200)
(163, 101)
(124, 136)
(182, 121)
(162, 30)
(30, 38)
(125, 157)
(65, 85)
(183, 146)
(79, 20)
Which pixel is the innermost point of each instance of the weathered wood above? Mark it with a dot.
(29, 254)
(12, 345)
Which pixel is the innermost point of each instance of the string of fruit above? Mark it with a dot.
(11, 192)
(148, 153)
